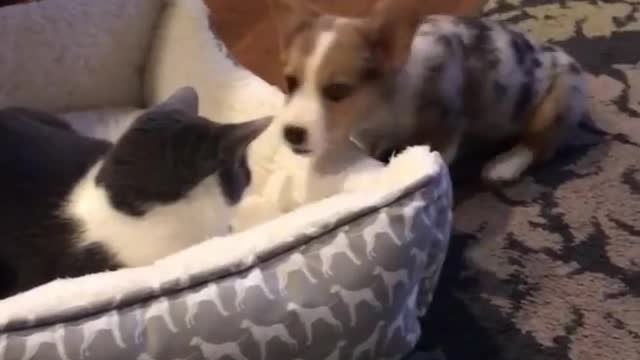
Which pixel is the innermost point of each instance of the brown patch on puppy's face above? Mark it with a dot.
(347, 80)
(334, 69)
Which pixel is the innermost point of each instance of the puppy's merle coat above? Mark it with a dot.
(72, 205)
(397, 78)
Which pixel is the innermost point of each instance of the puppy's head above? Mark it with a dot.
(337, 69)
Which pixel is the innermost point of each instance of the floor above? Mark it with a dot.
(248, 27)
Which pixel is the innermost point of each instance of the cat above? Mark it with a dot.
(72, 205)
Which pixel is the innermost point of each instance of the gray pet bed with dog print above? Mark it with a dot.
(343, 278)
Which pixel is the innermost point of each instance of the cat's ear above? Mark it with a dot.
(238, 136)
(184, 99)
(234, 173)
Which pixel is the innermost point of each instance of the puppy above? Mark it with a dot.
(397, 78)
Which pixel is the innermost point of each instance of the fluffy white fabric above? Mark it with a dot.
(294, 181)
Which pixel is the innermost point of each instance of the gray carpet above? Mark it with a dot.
(549, 268)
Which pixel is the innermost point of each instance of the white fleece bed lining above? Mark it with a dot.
(170, 274)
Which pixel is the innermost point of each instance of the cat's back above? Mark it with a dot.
(41, 159)
(35, 146)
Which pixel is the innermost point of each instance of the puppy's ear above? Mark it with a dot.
(390, 30)
(292, 16)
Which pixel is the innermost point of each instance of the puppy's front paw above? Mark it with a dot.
(509, 166)
(498, 173)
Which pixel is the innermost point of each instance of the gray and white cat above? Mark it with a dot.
(72, 205)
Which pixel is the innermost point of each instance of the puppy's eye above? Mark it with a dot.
(292, 83)
(337, 92)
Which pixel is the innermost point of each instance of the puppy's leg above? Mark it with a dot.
(449, 150)
(562, 107)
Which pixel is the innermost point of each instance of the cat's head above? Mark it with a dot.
(169, 151)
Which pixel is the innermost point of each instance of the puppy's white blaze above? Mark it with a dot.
(165, 229)
(510, 165)
(305, 109)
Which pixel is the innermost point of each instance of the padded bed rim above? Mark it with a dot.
(175, 286)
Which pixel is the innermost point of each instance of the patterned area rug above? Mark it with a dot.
(550, 268)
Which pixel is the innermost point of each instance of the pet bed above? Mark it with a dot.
(343, 278)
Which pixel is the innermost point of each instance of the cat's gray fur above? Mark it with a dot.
(72, 205)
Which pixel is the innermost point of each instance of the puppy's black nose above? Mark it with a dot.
(295, 135)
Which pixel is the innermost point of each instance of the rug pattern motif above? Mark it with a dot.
(550, 268)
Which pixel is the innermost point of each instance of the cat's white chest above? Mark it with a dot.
(162, 231)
